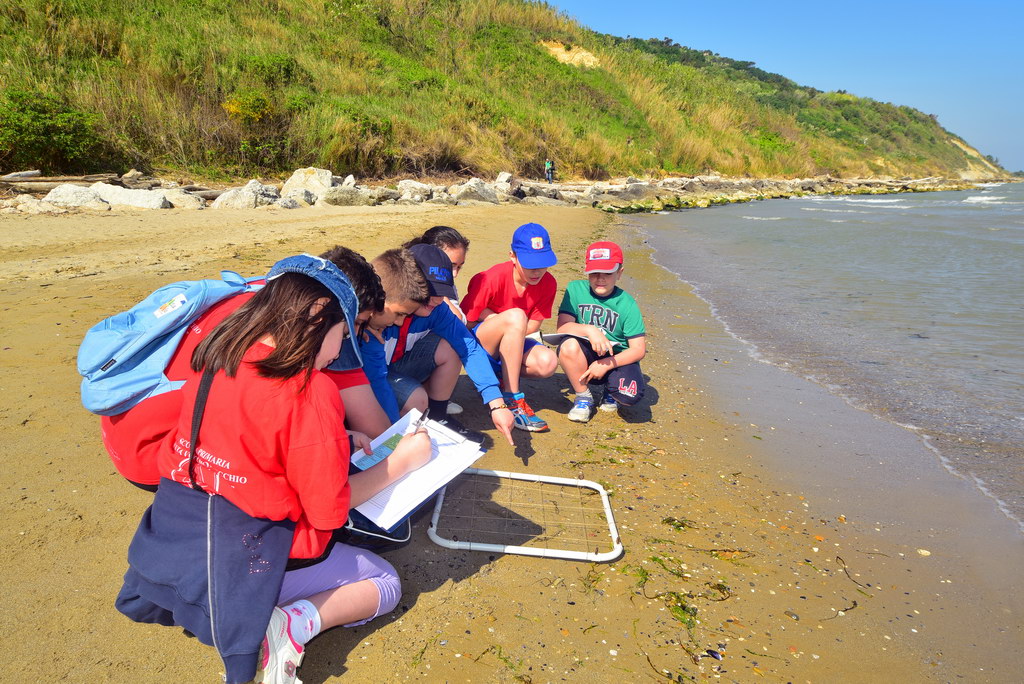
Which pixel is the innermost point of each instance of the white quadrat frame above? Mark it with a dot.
(567, 554)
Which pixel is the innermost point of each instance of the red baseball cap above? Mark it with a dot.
(603, 257)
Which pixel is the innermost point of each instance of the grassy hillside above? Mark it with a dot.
(382, 87)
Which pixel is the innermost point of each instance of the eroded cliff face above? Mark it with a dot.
(978, 168)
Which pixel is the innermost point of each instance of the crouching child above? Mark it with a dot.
(609, 336)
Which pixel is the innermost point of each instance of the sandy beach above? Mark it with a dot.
(777, 574)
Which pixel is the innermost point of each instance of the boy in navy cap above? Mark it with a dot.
(610, 339)
(506, 303)
(428, 349)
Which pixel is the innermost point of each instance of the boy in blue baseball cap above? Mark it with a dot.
(506, 303)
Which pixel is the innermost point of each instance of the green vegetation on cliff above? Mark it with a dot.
(381, 87)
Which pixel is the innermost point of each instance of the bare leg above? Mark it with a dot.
(502, 335)
(346, 604)
(416, 400)
(540, 362)
(441, 382)
(362, 412)
(574, 363)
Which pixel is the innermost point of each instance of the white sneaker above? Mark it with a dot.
(280, 656)
(454, 409)
(608, 404)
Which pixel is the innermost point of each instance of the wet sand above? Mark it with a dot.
(765, 569)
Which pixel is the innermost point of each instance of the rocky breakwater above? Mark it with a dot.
(313, 187)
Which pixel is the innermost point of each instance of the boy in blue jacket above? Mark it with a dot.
(427, 349)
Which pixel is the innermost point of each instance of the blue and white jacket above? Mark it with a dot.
(476, 360)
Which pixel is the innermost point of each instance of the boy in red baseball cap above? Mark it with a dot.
(609, 336)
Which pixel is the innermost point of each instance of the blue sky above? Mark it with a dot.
(962, 61)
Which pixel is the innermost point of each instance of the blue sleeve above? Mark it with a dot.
(474, 357)
(376, 368)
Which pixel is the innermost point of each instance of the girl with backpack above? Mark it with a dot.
(256, 474)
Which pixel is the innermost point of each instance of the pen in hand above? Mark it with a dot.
(420, 422)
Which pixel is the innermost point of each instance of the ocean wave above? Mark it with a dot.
(992, 199)
(870, 200)
(762, 218)
(835, 211)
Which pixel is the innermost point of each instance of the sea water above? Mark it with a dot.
(910, 306)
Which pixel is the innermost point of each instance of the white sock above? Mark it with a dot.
(585, 394)
(305, 620)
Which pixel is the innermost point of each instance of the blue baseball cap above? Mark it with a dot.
(532, 246)
(331, 277)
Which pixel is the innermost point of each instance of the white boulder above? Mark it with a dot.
(302, 196)
(253, 194)
(117, 196)
(314, 180)
(474, 190)
(180, 199)
(415, 191)
(71, 195)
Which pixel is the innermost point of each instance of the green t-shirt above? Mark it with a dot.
(617, 314)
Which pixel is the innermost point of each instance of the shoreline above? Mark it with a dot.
(319, 187)
(891, 493)
(931, 442)
(682, 455)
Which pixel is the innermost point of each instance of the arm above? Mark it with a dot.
(598, 341)
(411, 453)
(635, 352)
(478, 366)
(376, 368)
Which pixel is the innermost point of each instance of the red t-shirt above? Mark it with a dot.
(494, 289)
(133, 438)
(271, 447)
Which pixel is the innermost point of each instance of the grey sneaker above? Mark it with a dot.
(582, 409)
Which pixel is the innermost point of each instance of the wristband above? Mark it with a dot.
(499, 407)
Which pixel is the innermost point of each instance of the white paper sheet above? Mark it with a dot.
(450, 455)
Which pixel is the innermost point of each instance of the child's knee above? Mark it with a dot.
(513, 319)
(390, 588)
(541, 362)
(444, 353)
(417, 400)
(570, 349)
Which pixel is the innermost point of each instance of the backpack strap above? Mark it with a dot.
(197, 421)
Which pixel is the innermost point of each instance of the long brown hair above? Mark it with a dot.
(286, 309)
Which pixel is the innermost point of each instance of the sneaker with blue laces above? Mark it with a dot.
(582, 409)
(608, 403)
(525, 418)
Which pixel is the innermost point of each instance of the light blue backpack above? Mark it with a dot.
(122, 358)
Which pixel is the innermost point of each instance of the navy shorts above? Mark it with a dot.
(413, 369)
(625, 383)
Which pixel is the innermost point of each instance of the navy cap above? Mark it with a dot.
(331, 277)
(437, 269)
(532, 246)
